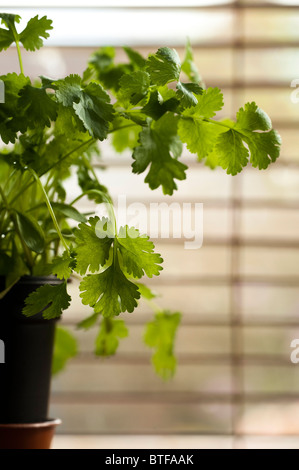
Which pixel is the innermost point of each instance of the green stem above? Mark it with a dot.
(20, 57)
(122, 127)
(50, 209)
(16, 38)
(217, 123)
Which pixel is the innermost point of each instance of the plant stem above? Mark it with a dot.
(16, 38)
(217, 123)
(20, 57)
(50, 209)
(122, 127)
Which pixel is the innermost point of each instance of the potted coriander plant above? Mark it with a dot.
(51, 129)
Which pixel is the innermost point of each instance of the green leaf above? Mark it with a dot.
(159, 148)
(156, 106)
(232, 155)
(134, 86)
(62, 266)
(68, 211)
(51, 300)
(164, 66)
(7, 36)
(188, 65)
(93, 242)
(135, 58)
(65, 347)
(109, 292)
(36, 29)
(209, 102)
(138, 253)
(91, 103)
(145, 291)
(185, 92)
(38, 107)
(126, 137)
(253, 118)
(88, 322)
(264, 148)
(160, 335)
(68, 90)
(31, 232)
(107, 340)
(200, 136)
(11, 119)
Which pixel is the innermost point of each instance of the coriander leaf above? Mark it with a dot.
(62, 266)
(200, 136)
(253, 118)
(91, 104)
(160, 147)
(137, 253)
(145, 291)
(38, 107)
(8, 36)
(36, 29)
(51, 300)
(135, 58)
(31, 232)
(134, 86)
(107, 72)
(88, 322)
(109, 292)
(160, 335)
(126, 137)
(93, 251)
(68, 211)
(103, 58)
(185, 93)
(188, 65)
(107, 340)
(232, 155)
(264, 147)
(11, 120)
(65, 347)
(212, 159)
(209, 102)
(164, 66)
(157, 105)
(68, 90)
(94, 110)
(9, 20)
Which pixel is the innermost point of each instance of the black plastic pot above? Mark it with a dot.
(26, 373)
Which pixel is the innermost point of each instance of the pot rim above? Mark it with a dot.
(45, 424)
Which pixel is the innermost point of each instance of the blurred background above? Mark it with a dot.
(239, 294)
